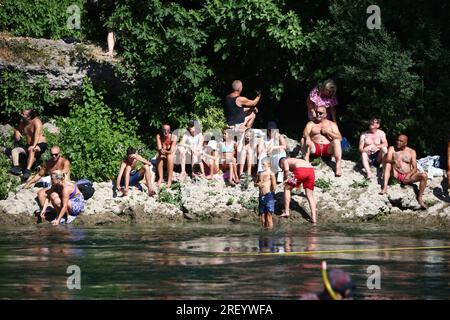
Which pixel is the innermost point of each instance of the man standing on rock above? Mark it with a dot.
(402, 164)
(31, 127)
(323, 139)
(240, 111)
(372, 146)
(302, 173)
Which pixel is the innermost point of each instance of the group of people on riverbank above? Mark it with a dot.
(233, 153)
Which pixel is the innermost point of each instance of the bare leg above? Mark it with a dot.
(242, 157)
(287, 201)
(111, 43)
(269, 221)
(262, 220)
(422, 179)
(308, 149)
(42, 195)
(336, 150)
(32, 158)
(126, 177)
(183, 162)
(312, 204)
(249, 120)
(15, 153)
(386, 176)
(169, 170)
(365, 162)
(160, 170)
(250, 159)
(148, 179)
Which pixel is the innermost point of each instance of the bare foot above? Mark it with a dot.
(284, 214)
(383, 191)
(422, 204)
(182, 176)
(338, 173)
(159, 183)
(151, 193)
(124, 193)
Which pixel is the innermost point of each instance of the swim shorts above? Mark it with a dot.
(267, 203)
(303, 176)
(322, 150)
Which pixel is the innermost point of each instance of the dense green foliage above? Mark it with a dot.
(42, 19)
(17, 94)
(94, 139)
(8, 182)
(179, 59)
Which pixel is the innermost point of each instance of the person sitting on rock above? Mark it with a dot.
(65, 198)
(401, 162)
(129, 176)
(266, 182)
(247, 152)
(211, 159)
(56, 162)
(227, 150)
(36, 144)
(272, 146)
(165, 144)
(240, 112)
(372, 146)
(323, 139)
(302, 173)
(191, 143)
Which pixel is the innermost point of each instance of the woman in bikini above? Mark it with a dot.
(228, 161)
(65, 197)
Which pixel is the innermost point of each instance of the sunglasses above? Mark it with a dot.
(55, 154)
(320, 113)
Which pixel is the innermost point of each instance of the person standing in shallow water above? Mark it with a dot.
(266, 182)
(401, 163)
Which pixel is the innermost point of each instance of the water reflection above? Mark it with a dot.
(219, 262)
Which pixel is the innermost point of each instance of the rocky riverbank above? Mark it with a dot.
(349, 198)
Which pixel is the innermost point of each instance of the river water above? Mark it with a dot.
(218, 261)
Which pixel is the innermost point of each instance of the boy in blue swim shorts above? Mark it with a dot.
(266, 182)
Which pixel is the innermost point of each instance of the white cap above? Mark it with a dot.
(212, 144)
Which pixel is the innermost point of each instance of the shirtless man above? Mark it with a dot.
(303, 173)
(401, 163)
(131, 176)
(56, 162)
(323, 139)
(165, 143)
(372, 146)
(31, 127)
(240, 111)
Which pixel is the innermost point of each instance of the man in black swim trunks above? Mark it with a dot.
(36, 144)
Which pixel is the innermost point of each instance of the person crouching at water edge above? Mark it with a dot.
(267, 183)
(303, 173)
(128, 175)
(65, 197)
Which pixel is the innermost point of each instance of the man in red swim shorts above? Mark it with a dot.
(323, 139)
(402, 164)
(302, 173)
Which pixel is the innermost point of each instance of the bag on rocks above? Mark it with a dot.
(86, 187)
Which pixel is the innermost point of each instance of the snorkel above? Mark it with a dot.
(326, 282)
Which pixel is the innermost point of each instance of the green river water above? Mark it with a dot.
(217, 261)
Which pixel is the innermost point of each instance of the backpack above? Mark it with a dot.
(86, 187)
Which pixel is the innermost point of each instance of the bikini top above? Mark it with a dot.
(227, 149)
(74, 192)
